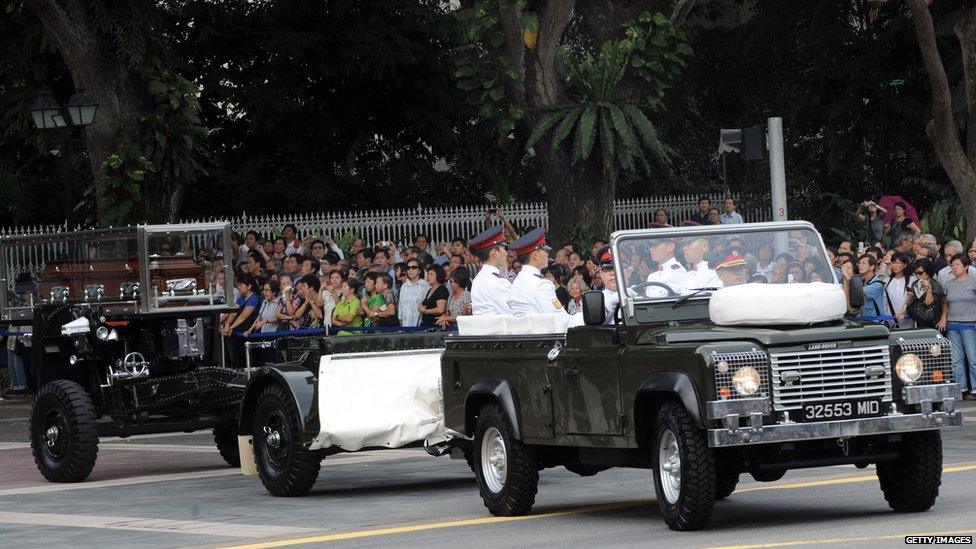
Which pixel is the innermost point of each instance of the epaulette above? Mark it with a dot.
(497, 275)
(675, 266)
(537, 276)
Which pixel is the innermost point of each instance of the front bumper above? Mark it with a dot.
(754, 432)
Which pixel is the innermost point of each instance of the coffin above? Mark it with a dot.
(112, 273)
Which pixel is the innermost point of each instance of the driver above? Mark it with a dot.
(732, 270)
(669, 272)
(699, 274)
(611, 297)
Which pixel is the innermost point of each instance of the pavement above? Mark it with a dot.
(175, 491)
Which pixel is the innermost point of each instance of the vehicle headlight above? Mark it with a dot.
(909, 367)
(746, 380)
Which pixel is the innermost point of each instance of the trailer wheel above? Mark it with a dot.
(911, 484)
(285, 466)
(684, 470)
(506, 469)
(225, 437)
(64, 434)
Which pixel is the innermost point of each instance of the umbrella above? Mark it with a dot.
(888, 203)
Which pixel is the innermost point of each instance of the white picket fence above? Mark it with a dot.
(440, 224)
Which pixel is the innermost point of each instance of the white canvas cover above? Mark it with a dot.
(765, 304)
(536, 324)
(380, 399)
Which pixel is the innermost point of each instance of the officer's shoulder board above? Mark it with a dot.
(538, 276)
(675, 266)
(498, 275)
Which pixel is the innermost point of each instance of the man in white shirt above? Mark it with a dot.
(490, 288)
(730, 216)
(669, 272)
(699, 274)
(531, 292)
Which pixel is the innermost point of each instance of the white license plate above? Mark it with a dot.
(841, 409)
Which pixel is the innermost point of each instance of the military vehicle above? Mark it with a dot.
(121, 327)
(701, 384)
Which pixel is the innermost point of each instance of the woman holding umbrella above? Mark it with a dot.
(901, 223)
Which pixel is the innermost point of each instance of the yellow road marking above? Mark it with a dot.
(439, 525)
(841, 540)
(585, 509)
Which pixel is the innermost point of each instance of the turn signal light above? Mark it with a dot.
(937, 376)
(724, 392)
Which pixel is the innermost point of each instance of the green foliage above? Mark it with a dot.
(945, 219)
(168, 149)
(484, 70)
(653, 52)
(583, 238)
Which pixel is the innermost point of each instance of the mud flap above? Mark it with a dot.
(245, 446)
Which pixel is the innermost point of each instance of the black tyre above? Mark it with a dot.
(506, 469)
(64, 434)
(285, 466)
(725, 483)
(225, 437)
(684, 470)
(468, 452)
(911, 484)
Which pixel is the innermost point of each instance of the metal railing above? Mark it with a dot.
(440, 224)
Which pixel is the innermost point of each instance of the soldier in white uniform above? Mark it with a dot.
(699, 274)
(669, 270)
(531, 292)
(490, 288)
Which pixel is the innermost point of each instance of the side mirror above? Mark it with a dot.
(594, 311)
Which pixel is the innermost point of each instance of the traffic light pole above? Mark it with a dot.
(777, 168)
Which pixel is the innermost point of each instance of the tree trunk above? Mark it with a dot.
(941, 129)
(579, 197)
(94, 66)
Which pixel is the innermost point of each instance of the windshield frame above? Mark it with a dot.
(630, 304)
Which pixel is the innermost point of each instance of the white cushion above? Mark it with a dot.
(764, 304)
(535, 324)
(471, 325)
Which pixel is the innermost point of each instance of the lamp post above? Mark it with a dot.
(78, 113)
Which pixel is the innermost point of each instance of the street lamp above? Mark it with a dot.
(81, 109)
(79, 112)
(47, 113)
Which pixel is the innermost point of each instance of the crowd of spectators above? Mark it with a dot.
(895, 275)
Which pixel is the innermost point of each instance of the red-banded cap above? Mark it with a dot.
(488, 238)
(730, 261)
(531, 241)
(604, 256)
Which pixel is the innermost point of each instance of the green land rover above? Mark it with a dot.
(701, 376)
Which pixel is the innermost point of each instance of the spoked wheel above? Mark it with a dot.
(506, 469)
(64, 434)
(285, 466)
(684, 470)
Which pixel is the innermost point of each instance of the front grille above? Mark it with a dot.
(756, 359)
(830, 374)
(931, 363)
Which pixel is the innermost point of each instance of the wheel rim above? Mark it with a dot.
(494, 460)
(275, 443)
(669, 467)
(54, 436)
